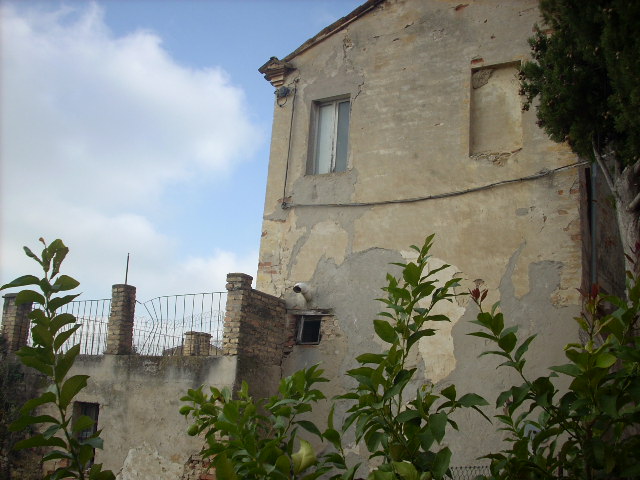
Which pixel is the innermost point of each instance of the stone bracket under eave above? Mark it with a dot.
(275, 71)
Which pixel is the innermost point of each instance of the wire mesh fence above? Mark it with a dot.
(469, 472)
(190, 324)
(93, 317)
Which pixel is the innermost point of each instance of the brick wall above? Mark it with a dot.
(15, 322)
(257, 330)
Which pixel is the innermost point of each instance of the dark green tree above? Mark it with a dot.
(585, 74)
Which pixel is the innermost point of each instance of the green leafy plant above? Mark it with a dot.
(49, 332)
(399, 428)
(250, 439)
(591, 431)
(404, 430)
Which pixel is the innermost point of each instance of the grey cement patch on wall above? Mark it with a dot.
(532, 313)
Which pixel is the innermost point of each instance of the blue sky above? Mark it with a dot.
(142, 127)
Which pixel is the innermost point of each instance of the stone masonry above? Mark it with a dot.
(257, 331)
(120, 334)
(15, 322)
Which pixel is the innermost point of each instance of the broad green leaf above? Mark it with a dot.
(70, 389)
(26, 420)
(508, 342)
(65, 362)
(407, 415)
(21, 282)
(60, 321)
(46, 397)
(375, 358)
(40, 441)
(380, 475)
(34, 362)
(30, 254)
(59, 252)
(488, 336)
(83, 423)
(333, 436)
(567, 369)
(449, 392)
(418, 335)
(405, 470)
(64, 336)
(63, 283)
(96, 473)
(85, 454)
(437, 425)
(309, 427)
(385, 331)
(522, 349)
(472, 399)
(372, 439)
(441, 463)
(57, 302)
(304, 457)
(41, 336)
(496, 323)
(605, 360)
(51, 431)
(283, 464)
(57, 454)
(411, 274)
(29, 296)
(93, 441)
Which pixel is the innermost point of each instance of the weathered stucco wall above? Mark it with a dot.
(429, 82)
(139, 399)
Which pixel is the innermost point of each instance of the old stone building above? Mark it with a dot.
(400, 120)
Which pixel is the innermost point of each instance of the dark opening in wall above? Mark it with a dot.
(91, 410)
(309, 329)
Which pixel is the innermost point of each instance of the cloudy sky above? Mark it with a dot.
(141, 127)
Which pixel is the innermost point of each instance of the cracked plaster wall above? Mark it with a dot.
(139, 399)
(407, 66)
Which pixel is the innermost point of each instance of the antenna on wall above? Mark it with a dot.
(126, 273)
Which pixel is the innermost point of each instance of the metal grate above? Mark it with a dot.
(171, 320)
(469, 472)
(93, 317)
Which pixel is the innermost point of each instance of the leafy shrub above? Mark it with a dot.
(49, 332)
(403, 430)
(591, 431)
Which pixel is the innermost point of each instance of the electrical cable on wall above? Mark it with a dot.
(543, 173)
(293, 109)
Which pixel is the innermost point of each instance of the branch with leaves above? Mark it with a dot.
(50, 331)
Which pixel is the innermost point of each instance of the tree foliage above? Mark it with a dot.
(586, 74)
(401, 422)
(57, 432)
(591, 430)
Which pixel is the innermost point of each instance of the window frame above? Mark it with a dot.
(302, 319)
(335, 166)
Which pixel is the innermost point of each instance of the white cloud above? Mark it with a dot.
(94, 129)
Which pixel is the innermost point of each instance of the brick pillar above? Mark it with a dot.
(120, 331)
(196, 344)
(15, 322)
(238, 286)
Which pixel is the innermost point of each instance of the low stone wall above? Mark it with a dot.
(139, 399)
(257, 331)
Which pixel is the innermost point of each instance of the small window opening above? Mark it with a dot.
(309, 329)
(91, 410)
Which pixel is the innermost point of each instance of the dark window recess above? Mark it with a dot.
(309, 329)
(90, 410)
